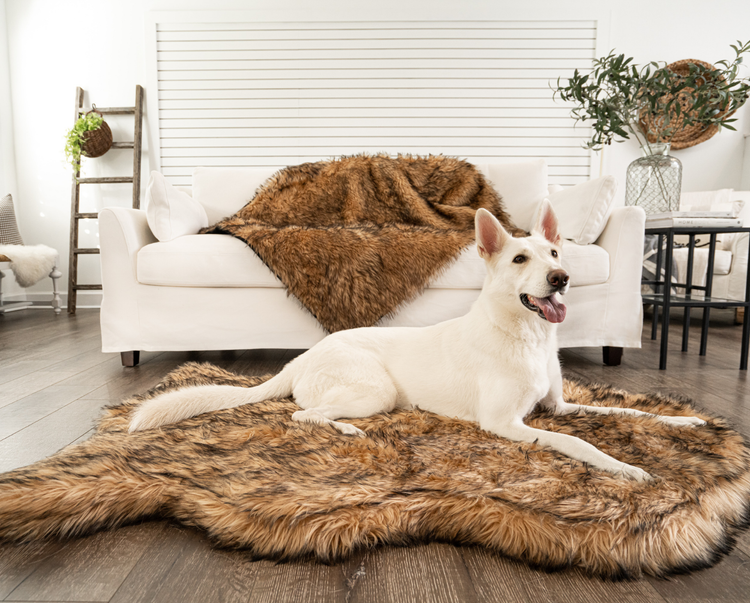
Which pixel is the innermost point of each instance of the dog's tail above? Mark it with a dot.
(188, 402)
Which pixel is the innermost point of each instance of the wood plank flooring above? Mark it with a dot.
(54, 382)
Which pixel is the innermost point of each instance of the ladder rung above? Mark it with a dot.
(123, 145)
(116, 110)
(108, 180)
(87, 216)
(84, 250)
(87, 287)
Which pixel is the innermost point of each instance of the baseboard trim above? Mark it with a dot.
(85, 299)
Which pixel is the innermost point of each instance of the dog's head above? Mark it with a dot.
(524, 274)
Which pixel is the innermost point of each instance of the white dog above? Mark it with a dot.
(492, 366)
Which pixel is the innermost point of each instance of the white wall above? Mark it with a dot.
(7, 148)
(108, 59)
(10, 290)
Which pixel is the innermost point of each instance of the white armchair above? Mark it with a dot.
(730, 262)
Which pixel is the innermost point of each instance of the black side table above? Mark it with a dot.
(663, 297)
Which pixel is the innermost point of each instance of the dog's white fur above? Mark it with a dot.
(492, 366)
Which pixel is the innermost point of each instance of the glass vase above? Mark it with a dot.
(654, 181)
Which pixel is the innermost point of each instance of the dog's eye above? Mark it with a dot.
(519, 259)
(554, 253)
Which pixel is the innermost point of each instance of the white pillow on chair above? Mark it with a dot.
(9, 234)
(170, 212)
(583, 210)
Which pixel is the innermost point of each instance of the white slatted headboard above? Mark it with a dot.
(283, 93)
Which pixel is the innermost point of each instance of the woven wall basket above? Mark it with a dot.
(691, 135)
(97, 142)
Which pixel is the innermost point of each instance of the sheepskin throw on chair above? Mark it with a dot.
(29, 263)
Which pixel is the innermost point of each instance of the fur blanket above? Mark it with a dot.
(30, 263)
(354, 238)
(253, 478)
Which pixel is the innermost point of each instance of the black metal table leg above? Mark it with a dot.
(746, 319)
(667, 300)
(655, 319)
(688, 290)
(709, 285)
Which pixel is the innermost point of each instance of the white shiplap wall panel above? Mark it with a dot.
(278, 93)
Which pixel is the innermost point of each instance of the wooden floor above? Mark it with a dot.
(54, 381)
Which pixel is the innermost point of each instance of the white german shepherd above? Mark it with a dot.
(492, 366)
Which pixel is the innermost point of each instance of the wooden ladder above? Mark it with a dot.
(75, 213)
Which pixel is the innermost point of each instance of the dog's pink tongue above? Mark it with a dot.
(554, 310)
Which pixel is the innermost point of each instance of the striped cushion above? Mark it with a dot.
(9, 234)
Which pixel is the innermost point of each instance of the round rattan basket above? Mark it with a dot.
(687, 136)
(97, 142)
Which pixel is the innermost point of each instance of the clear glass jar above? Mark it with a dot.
(654, 181)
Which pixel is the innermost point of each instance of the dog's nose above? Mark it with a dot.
(558, 278)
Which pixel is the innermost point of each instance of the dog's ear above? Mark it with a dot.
(546, 223)
(491, 236)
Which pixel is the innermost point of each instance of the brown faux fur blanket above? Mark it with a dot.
(253, 478)
(354, 238)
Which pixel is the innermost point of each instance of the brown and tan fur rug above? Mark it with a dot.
(353, 238)
(252, 478)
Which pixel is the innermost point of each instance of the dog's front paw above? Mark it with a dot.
(348, 429)
(635, 473)
(683, 421)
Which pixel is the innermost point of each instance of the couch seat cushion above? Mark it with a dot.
(203, 261)
(223, 261)
(586, 264)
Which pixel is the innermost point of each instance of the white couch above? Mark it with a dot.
(211, 292)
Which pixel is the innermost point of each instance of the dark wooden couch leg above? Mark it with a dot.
(612, 356)
(130, 358)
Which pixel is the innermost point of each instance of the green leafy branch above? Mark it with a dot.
(652, 102)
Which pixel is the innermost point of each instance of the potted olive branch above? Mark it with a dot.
(656, 103)
(617, 97)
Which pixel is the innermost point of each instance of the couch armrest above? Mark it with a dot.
(622, 238)
(122, 234)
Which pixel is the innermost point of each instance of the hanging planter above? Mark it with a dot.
(90, 137)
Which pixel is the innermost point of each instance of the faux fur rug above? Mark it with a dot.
(252, 478)
(354, 238)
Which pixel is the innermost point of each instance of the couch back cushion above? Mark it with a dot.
(223, 191)
(522, 185)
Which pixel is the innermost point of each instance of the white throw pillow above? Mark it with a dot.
(170, 212)
(583, 210)
(9, 234)
(522, 185)
(224, 191)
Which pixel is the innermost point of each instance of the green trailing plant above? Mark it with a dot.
(652, 102)
(75, 137)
